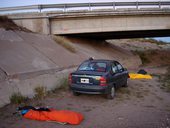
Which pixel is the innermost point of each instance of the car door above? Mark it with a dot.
(114, 75)
(122, 73)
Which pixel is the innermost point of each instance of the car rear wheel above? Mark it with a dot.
(76, 93)
(111, 93)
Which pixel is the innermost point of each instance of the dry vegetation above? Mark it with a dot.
(64, 43)
(40, 92)
(149, 40)
(17, 98)
(8, 24)
(154, 57)
(165, 80)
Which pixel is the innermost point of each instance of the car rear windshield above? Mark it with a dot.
(93, 66)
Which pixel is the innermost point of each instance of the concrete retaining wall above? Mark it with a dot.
(26, 86)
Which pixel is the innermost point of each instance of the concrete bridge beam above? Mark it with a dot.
(94, 22)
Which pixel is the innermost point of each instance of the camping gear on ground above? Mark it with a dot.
(46, 114)
(139, 76)
(33, 108)
(142, 71)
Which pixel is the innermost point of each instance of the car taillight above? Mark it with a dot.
(70, 78)
(103, 81)
(128, 76)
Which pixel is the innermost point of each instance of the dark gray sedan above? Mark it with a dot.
(98, 77)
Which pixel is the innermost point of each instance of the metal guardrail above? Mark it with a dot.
(40, 7)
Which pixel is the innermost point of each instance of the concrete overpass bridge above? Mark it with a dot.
(121, 20)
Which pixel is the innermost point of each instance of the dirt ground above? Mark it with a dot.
(142, 105)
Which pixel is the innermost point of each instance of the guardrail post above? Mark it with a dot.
(137, 5)
(65, 6)
(89, 7)
(159, 4)
(114, 8)
(40, 8)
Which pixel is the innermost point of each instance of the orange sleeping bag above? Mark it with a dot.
(62, 116)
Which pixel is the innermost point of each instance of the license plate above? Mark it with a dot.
(84, 80)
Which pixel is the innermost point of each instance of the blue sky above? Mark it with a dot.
(165, 39)
(10, 3)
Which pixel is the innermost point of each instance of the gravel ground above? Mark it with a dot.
(142, 105)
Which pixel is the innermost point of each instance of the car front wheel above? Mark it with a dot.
(111, 93)
(126, 84)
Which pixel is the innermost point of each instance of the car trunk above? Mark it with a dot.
(86, 78)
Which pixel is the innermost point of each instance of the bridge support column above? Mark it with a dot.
(47, 26)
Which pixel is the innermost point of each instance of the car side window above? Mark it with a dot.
(114, 68)
(119, 66)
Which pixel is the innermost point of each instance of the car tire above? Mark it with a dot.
(126, 84)
(76, 93)
(111, 93)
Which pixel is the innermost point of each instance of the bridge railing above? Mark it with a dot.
(64, 7)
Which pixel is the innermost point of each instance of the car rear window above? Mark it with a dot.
(93, 66)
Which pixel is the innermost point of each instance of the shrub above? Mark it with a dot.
(158, 42)
(40, 92)
(153, 52)
(17, 98)
(8, 24)
(143, 57)
(150, 40)
(165, 80)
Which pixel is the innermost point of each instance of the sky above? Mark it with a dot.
(11, 3)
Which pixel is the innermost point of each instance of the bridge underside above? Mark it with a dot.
(123, 34)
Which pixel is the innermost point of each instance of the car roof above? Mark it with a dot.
(101, 60)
